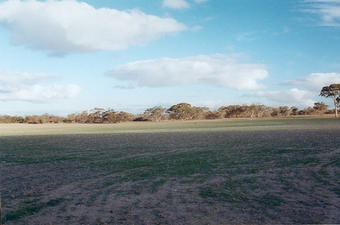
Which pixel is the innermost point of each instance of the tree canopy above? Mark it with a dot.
(332, 91)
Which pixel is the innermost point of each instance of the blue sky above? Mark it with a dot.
(68, 56)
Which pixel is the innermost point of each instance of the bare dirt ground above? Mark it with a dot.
(281, 177)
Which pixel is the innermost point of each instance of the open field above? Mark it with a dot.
(305, 123)
(198, 172)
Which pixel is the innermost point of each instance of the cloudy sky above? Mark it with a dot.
(64, 56)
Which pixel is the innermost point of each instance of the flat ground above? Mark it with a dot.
(209, 172)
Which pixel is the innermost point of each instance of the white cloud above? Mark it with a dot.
(67, 26)
(176, 4)
(31, 88)
(304, 91)
(315, 81)
(180, 4)
(327, 10)
(291, 97)
(218, 70)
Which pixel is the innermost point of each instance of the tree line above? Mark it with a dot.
(185, 111)
(181, 111)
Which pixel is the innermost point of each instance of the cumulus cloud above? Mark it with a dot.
(291, 97)
(327, 10)
(315, 81)
(304, 90)
(66, 26)
(32, 88)
(176, 4)
(218, 70)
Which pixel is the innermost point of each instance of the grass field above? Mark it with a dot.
(172, 126)
(206, 172)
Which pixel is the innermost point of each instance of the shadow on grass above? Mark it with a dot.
(30, 210)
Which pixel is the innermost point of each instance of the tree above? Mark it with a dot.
(124, 117)
(231, 111)
(284, 111)
(332, 91)
(96, 115)
(199, 112)
(81, 117)
(212, 115)
(320, 107)
(156, 113)
(109, 116)
(182, 111)
(294, 110)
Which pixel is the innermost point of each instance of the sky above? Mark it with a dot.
(66, 56)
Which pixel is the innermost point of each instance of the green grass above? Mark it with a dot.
(32, 208)
(170, 126)
(264, 171)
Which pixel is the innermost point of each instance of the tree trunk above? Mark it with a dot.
(336, 107)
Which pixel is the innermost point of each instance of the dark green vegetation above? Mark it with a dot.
(267, 175)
